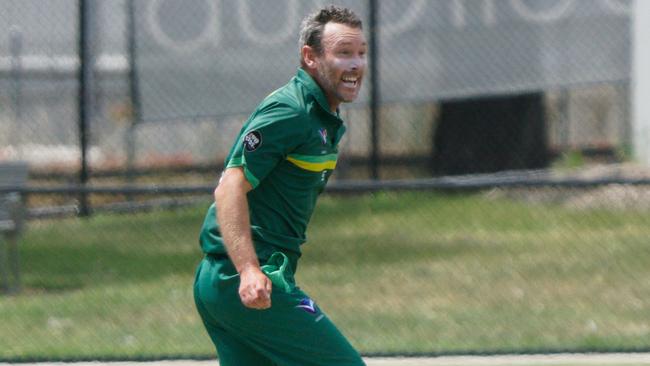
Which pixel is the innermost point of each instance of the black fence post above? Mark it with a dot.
(85, 74)
(134, 93)
(373, 52)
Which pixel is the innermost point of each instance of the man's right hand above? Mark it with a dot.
(255, 288)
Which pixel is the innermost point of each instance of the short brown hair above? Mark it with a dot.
(311, 30)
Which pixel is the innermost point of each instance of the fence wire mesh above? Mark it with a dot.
(509, 215)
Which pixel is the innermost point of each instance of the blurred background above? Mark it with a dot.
(492, 191)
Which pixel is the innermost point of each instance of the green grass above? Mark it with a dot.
(398, 272)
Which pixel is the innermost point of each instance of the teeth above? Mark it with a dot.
(350, 79)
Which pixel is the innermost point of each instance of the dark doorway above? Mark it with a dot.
(490, 134)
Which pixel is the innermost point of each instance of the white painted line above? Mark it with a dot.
(521, 360)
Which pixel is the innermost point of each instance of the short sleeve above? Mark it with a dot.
(264, 142)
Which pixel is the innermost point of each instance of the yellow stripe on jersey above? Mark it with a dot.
(313, 166)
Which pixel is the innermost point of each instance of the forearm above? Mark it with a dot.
(234, 223)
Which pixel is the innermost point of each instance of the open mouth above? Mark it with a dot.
(350, 81)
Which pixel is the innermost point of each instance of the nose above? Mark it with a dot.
(357, 63)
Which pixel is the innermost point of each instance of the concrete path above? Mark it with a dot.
(567, 359)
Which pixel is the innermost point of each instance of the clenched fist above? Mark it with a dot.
(255, 288)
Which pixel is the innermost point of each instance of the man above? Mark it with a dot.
(284, 155)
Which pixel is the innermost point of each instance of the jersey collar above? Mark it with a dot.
(314, 89)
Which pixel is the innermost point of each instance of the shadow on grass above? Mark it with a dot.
(73, 254)
(68, 268)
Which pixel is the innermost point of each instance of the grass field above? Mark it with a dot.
(407, 272)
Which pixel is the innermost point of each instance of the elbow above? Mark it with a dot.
(219, 192)
(218, 188)
(232, 184)
(215, 192)
(226, 187)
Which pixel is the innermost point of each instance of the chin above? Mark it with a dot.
(348, 98)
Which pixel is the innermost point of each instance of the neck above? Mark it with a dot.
(334, 105)
(332, 101)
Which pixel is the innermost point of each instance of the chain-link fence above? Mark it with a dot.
(508, 215)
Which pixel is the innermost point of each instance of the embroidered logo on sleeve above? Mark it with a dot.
(252, 141)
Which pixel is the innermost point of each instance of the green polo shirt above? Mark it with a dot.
(288, 148)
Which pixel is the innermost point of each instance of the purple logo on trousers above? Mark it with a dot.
(308, 305)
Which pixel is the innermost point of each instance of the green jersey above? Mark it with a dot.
(288, 148)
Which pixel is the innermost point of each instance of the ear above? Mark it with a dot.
(309, 57)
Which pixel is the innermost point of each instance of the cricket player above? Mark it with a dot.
(245, 290)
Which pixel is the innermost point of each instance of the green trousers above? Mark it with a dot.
(293, 332)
